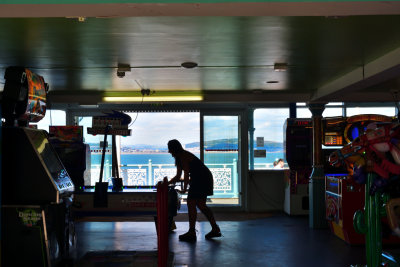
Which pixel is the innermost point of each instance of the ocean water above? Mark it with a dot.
(216, 158)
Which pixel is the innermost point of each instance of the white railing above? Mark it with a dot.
(225, 175)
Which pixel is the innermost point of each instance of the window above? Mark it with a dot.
(387, 111)
(303, 112)
(333, 109)
(95, 143)
(268, 124)
(143, 156)
(52, 117)
(332, 112)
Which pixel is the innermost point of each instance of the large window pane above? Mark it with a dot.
(328, 112)
(52, 117)
(268, 124)
(95, 142)
(303, 113)
(332, 112)
(144, 155)
(388, 111)
(221, 155)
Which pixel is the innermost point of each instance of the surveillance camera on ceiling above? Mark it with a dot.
(122, 68)
(121, 74)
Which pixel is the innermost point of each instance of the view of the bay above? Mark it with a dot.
(217, 152)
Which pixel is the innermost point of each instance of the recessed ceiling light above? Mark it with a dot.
(272, 82)
(189, 65)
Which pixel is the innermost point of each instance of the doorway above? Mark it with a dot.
(221, 152)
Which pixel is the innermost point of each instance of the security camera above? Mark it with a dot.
(121, 74)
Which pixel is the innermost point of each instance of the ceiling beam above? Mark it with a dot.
(378, 71)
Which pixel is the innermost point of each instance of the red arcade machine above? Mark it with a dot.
(343, 196)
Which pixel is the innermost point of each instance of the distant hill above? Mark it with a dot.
(220, 144)
(231, 144)
(192, 145)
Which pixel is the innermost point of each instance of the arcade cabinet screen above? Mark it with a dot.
(48, 155)
(333, 139)
(333, 131)
(24, 96)
(36, 108)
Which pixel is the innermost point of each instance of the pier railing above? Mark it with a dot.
(225, 175)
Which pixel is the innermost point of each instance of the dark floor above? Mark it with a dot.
(277, 240)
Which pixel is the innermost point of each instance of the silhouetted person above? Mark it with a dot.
(200, 181)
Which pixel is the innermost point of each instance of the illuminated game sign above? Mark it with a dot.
(24, 96)
(67, 133)
(299, 122)
(30, 217)
(339, 131)
(333, 131)
(357, 125)
(36, 97)
(117, 122)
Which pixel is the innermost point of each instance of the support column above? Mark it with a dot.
(317, 178)
(292, 110)
(251, 137)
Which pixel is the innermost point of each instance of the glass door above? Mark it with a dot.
(220, 151)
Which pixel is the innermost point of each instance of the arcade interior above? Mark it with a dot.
(92, 92)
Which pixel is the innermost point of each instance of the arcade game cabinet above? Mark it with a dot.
(73, 152)
(298, 146)
(36, 229)
(343, 195)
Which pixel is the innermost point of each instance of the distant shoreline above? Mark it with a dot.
(145, 152)
(164, 152)
(161, 152)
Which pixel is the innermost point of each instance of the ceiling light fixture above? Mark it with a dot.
(280, 66)
(152, 98)
(189, 65)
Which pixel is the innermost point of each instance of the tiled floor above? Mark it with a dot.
(278, 240)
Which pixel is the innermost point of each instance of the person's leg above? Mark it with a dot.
(190, 236)
(215, 231)
(192, 212)
(201, 204)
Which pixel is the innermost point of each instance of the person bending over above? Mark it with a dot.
(200, 181)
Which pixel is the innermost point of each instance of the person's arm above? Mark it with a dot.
(177, 177)
(185, 180)
(185, 167)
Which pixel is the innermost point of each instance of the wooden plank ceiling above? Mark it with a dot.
(329, 58)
